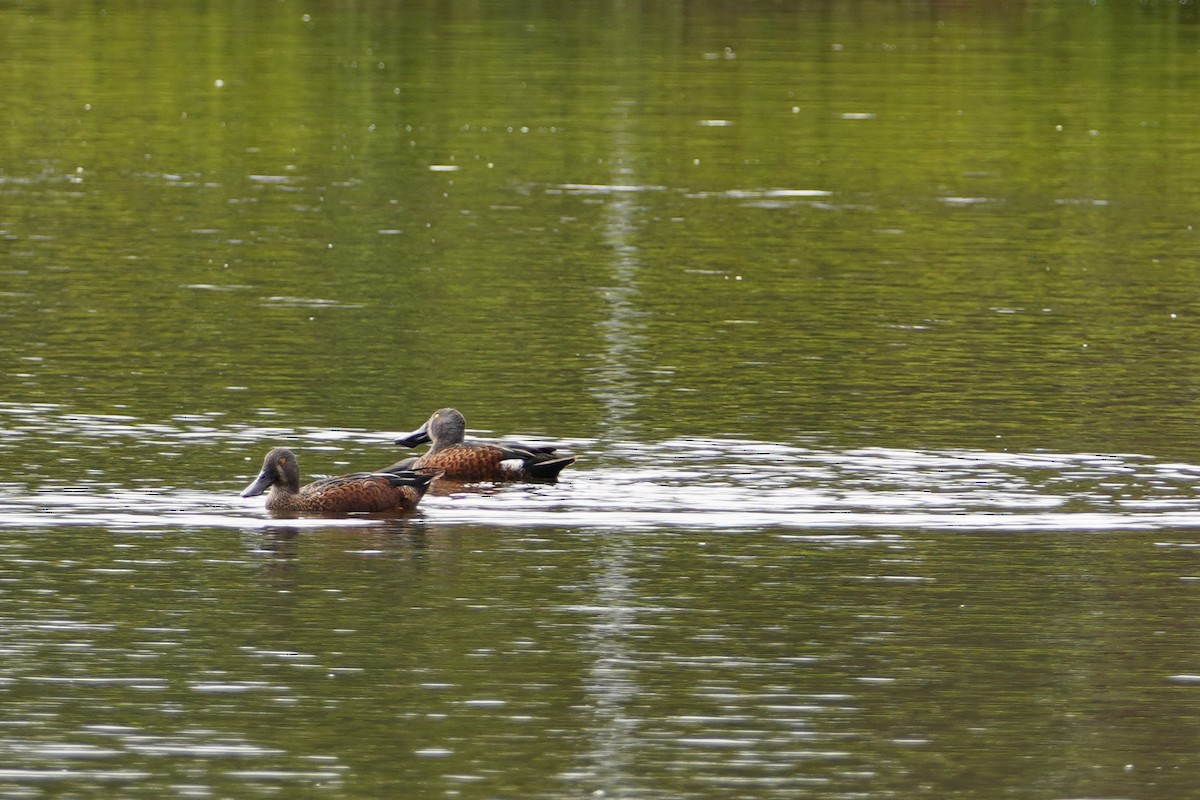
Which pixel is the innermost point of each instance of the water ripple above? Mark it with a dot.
(688, 482)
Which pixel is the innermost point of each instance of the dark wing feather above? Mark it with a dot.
(527, 448)
(539, 463)
(402, 465)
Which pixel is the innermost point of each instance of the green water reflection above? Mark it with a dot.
(919, 225)
(225, 196)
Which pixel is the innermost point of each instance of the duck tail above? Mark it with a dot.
(418, 480)
(548, 469)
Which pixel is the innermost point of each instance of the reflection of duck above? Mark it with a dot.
(391, 490)
(459, 461)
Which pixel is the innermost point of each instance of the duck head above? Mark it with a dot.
(279, 468)
(446, 427)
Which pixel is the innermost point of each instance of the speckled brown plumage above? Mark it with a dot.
(475, 462)
(397, 490)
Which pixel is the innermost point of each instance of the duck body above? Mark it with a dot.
(388, 490)
(470, 462)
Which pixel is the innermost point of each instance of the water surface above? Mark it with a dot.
(872, 325)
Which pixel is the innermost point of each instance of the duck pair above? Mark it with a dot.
(401, 486)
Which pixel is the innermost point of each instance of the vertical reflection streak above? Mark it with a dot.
(611, 682)
(622, 328)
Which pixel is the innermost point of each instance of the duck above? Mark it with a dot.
(471, 462)
(387, 490)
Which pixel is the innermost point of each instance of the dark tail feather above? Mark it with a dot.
(548, 470)
(417, 480)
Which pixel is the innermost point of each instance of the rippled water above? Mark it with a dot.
(722, 484)
(674, 618)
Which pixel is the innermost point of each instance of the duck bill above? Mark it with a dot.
(260, 485)
(419, 436)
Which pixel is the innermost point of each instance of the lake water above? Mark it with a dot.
(875, 327)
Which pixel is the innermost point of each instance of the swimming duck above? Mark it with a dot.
(476, 461)
(388, 490)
